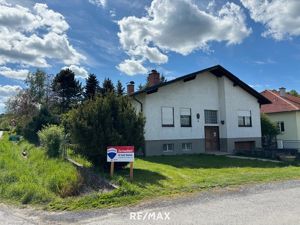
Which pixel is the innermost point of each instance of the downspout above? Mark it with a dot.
(138, 101)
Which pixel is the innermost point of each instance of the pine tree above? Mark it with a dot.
(107, 86)
(120, 88)
(92, 86)
(67, 89)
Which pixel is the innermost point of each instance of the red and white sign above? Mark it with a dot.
(120, 154)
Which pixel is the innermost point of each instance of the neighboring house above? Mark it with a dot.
(285, 112)
(206, 111)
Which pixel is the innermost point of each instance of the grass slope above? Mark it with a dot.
(48, 182)
(36, 179)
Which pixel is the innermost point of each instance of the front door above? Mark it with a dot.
(212, 142)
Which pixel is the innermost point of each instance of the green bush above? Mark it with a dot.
(31, 129)
(51, 138)
(108, 120)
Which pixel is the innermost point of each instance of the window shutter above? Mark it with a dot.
(244, 113)
(167, 116)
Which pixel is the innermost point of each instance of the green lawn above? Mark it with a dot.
(48, 182)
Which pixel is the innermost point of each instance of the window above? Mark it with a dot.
(168, 147)
(280, 126)
(244, 118)
(167, 116)
(211, 116)
(185, 117)
(186, 146)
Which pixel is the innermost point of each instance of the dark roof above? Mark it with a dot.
(218, 71)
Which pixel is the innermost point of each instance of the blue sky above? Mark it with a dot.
(123, 39)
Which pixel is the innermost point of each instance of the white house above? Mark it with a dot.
(285, 112)
(209, 110)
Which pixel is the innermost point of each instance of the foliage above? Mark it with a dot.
(267, 127)
(67, 89)
(92, 87)
(4, 122)
(51, 138)
(36, 83)
(108, 120)
(22, 107)
(120, 88)
(35, 179)
(107, 86)
(294, 93)
(43, 118)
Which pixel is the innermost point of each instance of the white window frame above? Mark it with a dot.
(168, 145)
(184, 147)
(279, 126)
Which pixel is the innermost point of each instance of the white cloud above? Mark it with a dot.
(30, 37)
(79, 71)
(280, 17)
(179, 26)
(7, 91)
(15, 74)
(99, 3)
(132, 67)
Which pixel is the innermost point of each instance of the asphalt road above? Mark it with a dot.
(268, 204)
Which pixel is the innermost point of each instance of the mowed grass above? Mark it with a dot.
(53, 183)
(176, 175)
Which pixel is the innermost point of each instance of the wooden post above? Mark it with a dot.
(112, 167)
(131, 171)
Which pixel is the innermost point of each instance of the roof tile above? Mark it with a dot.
(280, 104)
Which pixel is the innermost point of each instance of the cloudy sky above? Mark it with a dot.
(257, 40)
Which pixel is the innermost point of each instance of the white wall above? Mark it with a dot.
(291, 122)
(237, 99)
(205, 92)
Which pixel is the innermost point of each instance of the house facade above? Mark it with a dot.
(206, 111)
(285, 113)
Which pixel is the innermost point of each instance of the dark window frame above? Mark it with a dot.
(167, 125)
(206, 118)
(244, 121)
(190, 118)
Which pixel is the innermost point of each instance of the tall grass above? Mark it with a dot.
(35, 179)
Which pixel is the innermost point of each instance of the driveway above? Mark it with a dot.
(276, 204)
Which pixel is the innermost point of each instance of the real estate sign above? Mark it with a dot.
(120, 154)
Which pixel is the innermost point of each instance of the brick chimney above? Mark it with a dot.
(130, 88)
(282, 91)
(153, 78)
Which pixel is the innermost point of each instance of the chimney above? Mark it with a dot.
(130, 88)
(153, 78)
(282, 91)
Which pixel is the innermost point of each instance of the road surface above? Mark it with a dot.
(268, 204)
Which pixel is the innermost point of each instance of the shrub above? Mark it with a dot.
(51, 138)
(43, 118)
(107, 120)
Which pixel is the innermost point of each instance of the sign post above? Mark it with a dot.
(112, 167)
(120, 154)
